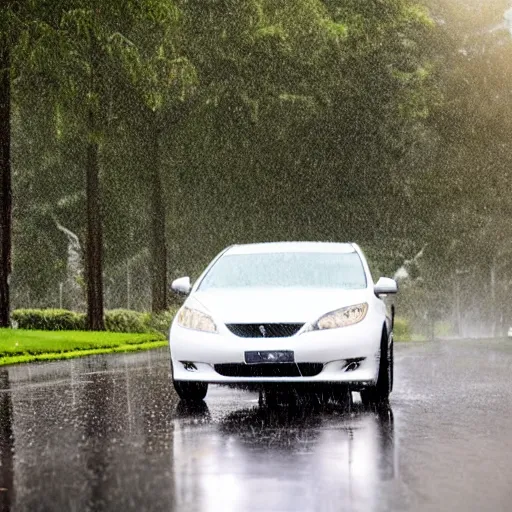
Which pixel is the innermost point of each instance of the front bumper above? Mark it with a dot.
(194, 354)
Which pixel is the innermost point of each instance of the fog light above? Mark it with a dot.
(353, 364)
(189, 366)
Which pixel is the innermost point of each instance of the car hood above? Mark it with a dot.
(274, 305)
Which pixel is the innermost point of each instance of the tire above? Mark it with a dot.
(191, 391)
(391, 366)
(379, 393)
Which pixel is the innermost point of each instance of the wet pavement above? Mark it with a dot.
(108, 433)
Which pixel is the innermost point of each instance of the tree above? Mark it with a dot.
(159, 82)
(39, 43)
(5, 167)
(314, 116)
(86, 50)
(462, 195)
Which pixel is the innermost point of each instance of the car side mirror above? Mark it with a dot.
(385, 286)
(181, 285)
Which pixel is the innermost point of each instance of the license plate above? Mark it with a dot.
(269, 356)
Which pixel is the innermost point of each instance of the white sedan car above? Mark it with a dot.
(289, 312)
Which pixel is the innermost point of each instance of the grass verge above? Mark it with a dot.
(24, 346)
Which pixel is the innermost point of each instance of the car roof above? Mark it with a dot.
(278, 247)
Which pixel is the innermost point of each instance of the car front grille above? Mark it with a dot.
(269, 370)
(264, 330)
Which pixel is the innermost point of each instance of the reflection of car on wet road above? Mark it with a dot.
(306, 447)
(292, 312)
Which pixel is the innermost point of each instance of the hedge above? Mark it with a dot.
(116, 320)
(124, 320)
(49, 319)
(159, 322)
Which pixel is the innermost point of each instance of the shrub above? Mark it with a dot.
(49, 319)
(402, 330)
(125, 320)
(159, 322)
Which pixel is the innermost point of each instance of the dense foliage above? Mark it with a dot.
(209, 123)
(116, 320)
(48, 319)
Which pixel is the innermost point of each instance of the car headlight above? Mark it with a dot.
(342, 317)
(197, 320)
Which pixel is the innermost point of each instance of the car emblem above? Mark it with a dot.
(263, 330)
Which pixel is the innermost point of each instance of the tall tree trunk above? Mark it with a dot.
(158, 245)
(5, 185)
(94, 243)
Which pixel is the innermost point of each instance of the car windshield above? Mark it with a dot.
(287, 270)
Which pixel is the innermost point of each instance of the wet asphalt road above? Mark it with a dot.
(107, 433)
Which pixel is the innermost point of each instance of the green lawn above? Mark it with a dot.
(23, 346)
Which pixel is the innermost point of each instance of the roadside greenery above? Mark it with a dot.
(20, 346)
(49, 319)
(117, 320)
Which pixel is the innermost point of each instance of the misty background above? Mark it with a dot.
(215, 122)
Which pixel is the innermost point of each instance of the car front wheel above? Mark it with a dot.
(379, 393)
(191, 391)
